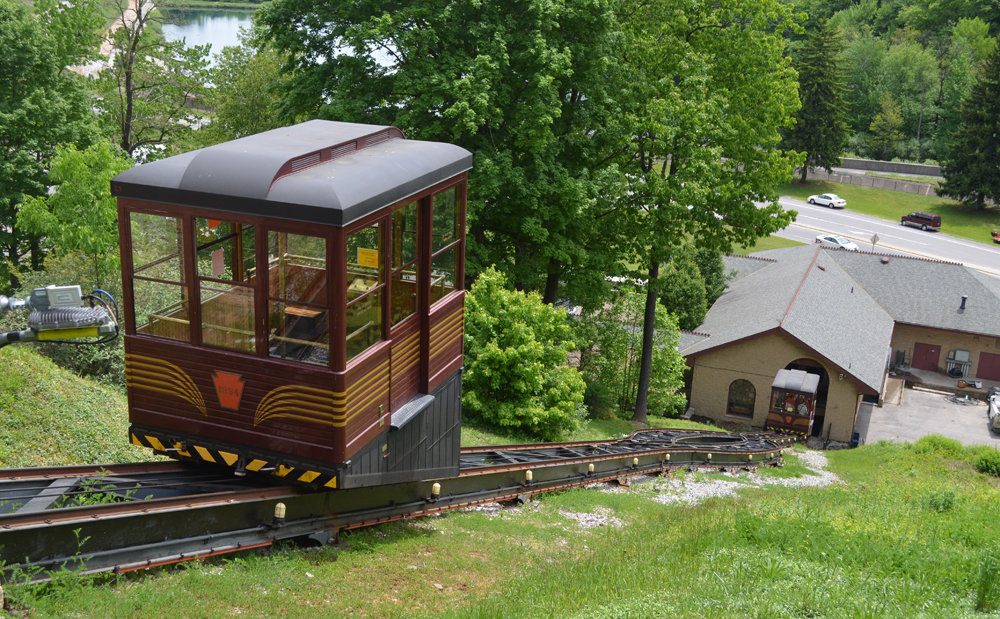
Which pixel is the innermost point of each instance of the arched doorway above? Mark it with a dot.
(815, 367)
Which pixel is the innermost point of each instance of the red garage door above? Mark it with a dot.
(989, 366)
(925, 356)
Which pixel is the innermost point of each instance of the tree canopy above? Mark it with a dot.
(42, 105)
(80, 215)
(522, 84)
(820, 129)
(971, 170)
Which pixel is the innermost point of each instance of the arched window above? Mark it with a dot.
(742, 396)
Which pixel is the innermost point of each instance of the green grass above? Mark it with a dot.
(933, 180)
(910, 534)
(50, 417)
(474, 435)
(956, 219)
(764, 244)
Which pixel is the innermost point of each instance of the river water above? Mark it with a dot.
(220, 27)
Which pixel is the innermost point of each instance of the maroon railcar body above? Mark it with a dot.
(293, 304)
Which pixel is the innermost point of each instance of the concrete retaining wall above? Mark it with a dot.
(878, 182)
(891, 166)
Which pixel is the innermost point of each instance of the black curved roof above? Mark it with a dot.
(317, 171)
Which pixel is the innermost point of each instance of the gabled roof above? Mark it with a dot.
(807, 296)
(317, 171)
(927, 293)
(741, 266)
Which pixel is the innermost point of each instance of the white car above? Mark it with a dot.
(828, 199)
(833, 240)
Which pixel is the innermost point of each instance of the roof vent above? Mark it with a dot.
(885, 260)
(377, 138)
(344, 149)
(965, 298)
(820, 267)
(304, 162)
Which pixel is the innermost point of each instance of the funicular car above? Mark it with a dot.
(293, 304)
(793, 402)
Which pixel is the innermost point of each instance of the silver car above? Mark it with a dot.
(836, 241)
(828, 199)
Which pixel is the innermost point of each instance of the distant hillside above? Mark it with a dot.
(50, 417)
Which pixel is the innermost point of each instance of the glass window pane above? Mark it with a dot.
(299, 332)
(157, 247)
(364, 261)
(225, 250)
(404, 235)
(227, 316)
(297, 267)
(443, 270)
(445, 218)
(404, 294)
(364, 324)
(161, 310)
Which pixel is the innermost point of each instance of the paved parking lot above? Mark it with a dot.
(922, 413)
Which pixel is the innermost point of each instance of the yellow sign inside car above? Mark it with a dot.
(367, 257)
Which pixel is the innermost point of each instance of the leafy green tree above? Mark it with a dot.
(885, 128)
(914, 79)
(614, 363)
(820, 128)
(516, 349)
(713, 271)
(705, 89)
(41, 105)
(80, 215)
(523, 84)
(682, 289)
(970, 168)
(865, 57)
(150, 82)
(247, 80)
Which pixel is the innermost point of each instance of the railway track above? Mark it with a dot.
(118, 518)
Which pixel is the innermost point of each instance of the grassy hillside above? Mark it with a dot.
(50, 417)
(905, 531)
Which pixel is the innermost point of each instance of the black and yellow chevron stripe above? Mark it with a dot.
(217, 455)
(446, 332)
(159, 376)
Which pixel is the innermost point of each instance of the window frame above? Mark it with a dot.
(412, 263)
(753, 399)
(192, 281)
(460, 188)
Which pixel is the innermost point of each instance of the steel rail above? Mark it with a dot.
(135, 534)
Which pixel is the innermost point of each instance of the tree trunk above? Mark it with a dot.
(805, 170)
(648, 329)
(552, 283)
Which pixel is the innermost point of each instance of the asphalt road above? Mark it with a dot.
(893, 238)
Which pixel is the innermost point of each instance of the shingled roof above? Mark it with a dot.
(809, 297)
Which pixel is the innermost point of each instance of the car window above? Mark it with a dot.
(834, 196)
(841, 240)
(825, 197)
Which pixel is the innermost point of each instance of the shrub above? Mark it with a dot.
(940, 501)
(937, 444)
(516, 348)
(986, 460)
